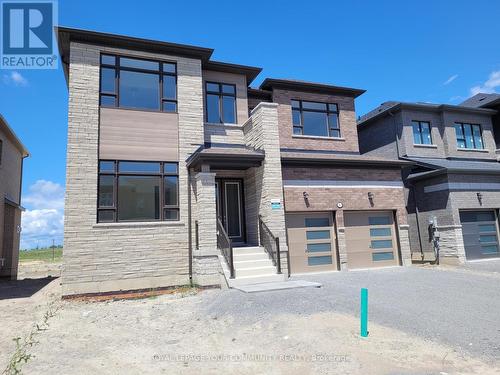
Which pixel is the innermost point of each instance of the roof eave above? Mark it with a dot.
(251, 72)
(13, 137)
(270, 83)
(296, 160)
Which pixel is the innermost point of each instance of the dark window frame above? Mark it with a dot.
(116, 175)
(328, 112)
(463, 138)
(221, 95)
(420, 134)
(118, 68)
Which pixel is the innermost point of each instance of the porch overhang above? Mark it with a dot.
(237, 157)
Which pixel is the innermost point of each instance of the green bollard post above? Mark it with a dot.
(364, 312)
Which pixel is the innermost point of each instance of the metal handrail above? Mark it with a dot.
(268, 240)
(225, 245)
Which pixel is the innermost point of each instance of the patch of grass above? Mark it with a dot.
(21, 355)
(44, 255)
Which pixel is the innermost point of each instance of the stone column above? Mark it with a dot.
(262, 133)
(451, 244)
(404, 244)
(206, 265)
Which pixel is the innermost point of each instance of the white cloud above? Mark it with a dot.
(15, 78)
(45, 194)
(451, 79)
(488, 87)
(43, 220)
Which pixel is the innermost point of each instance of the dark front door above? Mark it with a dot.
(230, 208)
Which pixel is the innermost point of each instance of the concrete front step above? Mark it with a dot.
(255, 271)
(248, 250)
(250, 256)
(251, 280)
(251, 266)
(252, 263)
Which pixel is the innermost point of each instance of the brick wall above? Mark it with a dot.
(119, 256)
(347, 120)
(379, 137)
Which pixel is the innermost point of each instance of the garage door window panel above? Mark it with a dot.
(318, 234)
(319, 261)
(317, 222)
(319, 247)
(381, 244)
(380, 232)
(379, 220)
(489, 249)
(377, 257)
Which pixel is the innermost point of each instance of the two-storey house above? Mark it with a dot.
(178, 171)
(12, 154)
(453, 192)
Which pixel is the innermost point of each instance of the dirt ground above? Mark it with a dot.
(174, 334)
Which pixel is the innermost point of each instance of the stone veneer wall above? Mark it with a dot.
(262, 132)
(451, 245)
(121, 256)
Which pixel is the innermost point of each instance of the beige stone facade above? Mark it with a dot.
(108, 257)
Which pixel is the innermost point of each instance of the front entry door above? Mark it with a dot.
(230, 208)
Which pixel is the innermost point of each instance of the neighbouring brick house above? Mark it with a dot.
(453, 190)
(179, 172)
(12, 154)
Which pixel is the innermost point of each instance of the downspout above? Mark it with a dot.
(21, 180)
(412, 191)
(190, 241)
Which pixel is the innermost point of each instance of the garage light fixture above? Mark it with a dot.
(480, 198)
(370, 198)
(305, 194)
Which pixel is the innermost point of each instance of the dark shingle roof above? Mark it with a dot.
(439, 166)
(298, 85)
(482, 100)
(385, 108)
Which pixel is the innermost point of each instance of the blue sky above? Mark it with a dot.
(435, 51)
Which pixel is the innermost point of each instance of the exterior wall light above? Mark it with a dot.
(480, 198)
(305, 194)
(370, 198)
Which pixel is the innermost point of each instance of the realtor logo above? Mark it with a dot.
(27, 38)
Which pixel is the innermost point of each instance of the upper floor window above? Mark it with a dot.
(469, 136)
(137, 191)
(421, 132)
(138, 84)
(316, 119)
(221, 103)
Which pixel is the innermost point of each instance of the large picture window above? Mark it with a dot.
(220, 103)
(315, 119)
(138, 84)
(469, 136)
(137, 191)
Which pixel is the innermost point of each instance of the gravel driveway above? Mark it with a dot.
(421, 321)
(457, 309)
